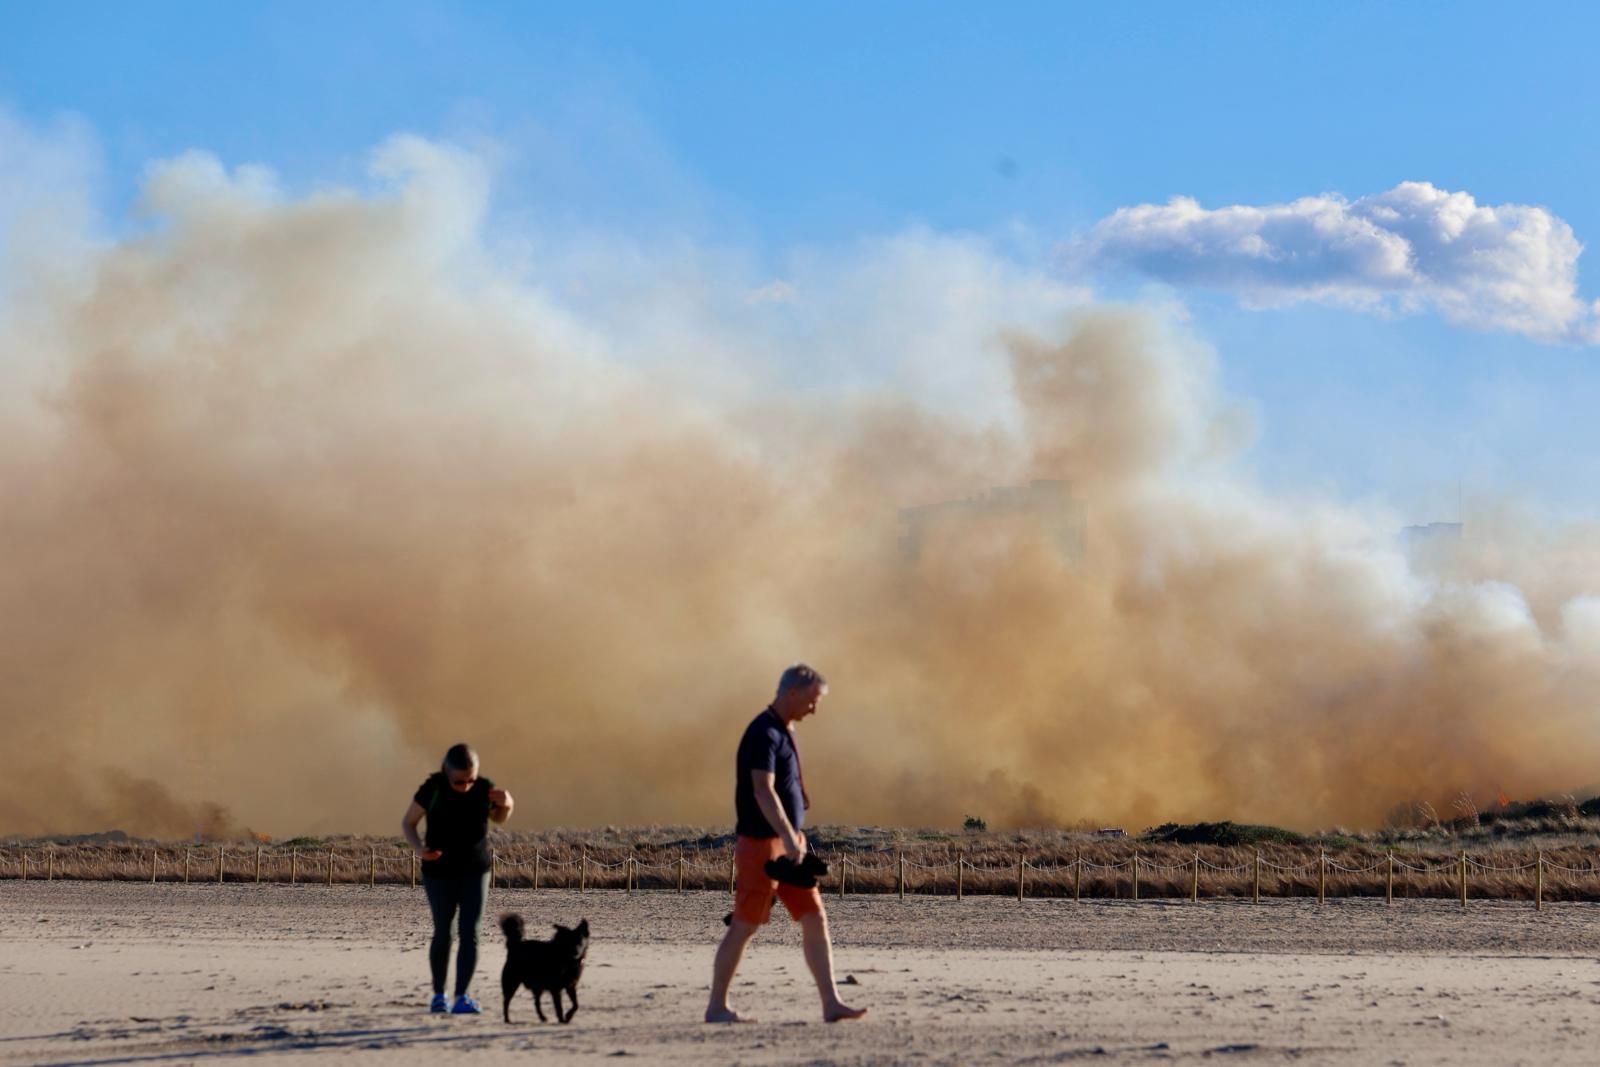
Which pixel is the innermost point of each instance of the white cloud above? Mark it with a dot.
(1510, 267)
(776, 291)
(48, 180)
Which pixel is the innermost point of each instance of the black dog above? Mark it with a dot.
(544, 966)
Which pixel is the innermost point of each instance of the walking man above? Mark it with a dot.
(770, 803)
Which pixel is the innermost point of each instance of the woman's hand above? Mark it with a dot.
(500, 804)
(408, 827)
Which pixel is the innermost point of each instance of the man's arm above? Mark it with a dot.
(766, 790)
(408, 827)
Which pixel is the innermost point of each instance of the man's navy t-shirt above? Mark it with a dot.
(767, 745)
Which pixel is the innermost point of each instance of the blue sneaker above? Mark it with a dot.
(465, 1005)
(439, 1005)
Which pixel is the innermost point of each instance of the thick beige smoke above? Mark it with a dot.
(300, 491)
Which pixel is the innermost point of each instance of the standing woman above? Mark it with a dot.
(459, 805)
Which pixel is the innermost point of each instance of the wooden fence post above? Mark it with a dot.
(1255, 892)
(1322, 875)
(294, 866)
(1021, 861)
(1194, 884)
(258, 865)
(1135, 895)
(583, 869)
(733, 872)
(1538, 883)
(330, 864)
(844, 871)
(900, 877)
(961, 871)
(413, 870)
(1077, 876)
(1463, 878)
(372, 867)
(24, 852)
(51, 876)
(535, 870)
(186, 854)
(222, 854)
(680, 870)
(153, 853)
(494, 866)
(627, 873)
(1388, 882)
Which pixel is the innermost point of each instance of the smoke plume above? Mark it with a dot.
(299, 490)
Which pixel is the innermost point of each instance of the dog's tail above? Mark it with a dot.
(512, 925)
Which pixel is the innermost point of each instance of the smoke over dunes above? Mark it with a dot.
(298, 490)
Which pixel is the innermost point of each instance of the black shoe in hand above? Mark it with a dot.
(802, 875)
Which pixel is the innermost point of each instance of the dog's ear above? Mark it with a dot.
(583, 927)
(561, 929)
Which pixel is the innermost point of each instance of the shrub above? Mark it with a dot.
(1517, 811)
(974, 825)
(1227, 834)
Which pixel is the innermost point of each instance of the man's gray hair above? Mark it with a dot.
(801, 676)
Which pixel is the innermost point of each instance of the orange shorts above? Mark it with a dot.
(755, 890)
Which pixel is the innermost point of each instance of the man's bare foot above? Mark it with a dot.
(841, 1012)
(726, 1015)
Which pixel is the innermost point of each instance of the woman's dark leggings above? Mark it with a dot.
(446, 896)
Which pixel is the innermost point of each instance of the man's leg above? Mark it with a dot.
(729, 953)
(819, 957)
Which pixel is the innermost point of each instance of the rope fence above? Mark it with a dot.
(1135, 876)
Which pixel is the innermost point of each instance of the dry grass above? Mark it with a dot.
(554, 857)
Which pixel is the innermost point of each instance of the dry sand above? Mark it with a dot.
(125, 973)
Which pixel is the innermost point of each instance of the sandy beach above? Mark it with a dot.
(125, 973)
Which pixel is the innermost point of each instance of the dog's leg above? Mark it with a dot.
(555, 998)
(508, 986)
(572, 992)
(538, 996)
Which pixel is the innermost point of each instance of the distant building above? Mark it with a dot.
(1432, 533)
(1047, 505)
(1434, 545)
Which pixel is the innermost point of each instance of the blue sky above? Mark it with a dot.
(766, 127)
